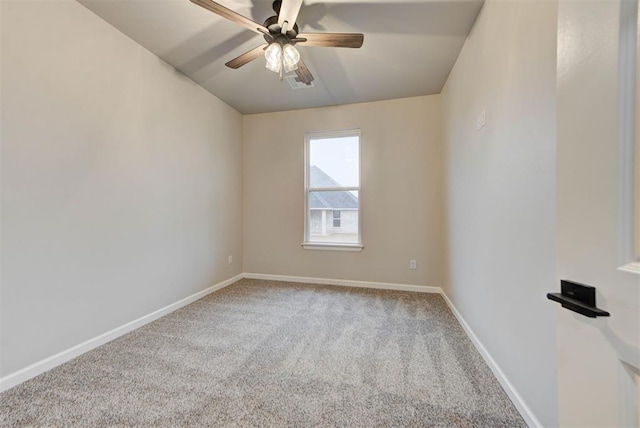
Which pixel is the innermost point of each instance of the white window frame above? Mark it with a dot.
(310, 245)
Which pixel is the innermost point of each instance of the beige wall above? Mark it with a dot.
(121, 182)
(500, 187)
(400, 197)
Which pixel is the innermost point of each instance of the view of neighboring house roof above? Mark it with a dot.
(319, 178)
(329, 200)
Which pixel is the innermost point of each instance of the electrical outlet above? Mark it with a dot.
(413, 264)
(230, 259)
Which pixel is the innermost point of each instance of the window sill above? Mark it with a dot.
(332, 247)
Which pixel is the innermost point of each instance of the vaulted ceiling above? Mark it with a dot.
(409, 47)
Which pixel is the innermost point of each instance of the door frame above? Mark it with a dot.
(628, 139)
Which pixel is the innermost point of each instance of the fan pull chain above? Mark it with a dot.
(281, 67)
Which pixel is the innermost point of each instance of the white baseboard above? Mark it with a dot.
(526, 413)
(345, 283)
(42, 366)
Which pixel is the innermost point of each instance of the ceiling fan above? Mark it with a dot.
(281, 35)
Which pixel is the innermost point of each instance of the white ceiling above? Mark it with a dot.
(409, 47)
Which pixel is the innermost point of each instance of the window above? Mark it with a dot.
(332, 190)
(336, 219)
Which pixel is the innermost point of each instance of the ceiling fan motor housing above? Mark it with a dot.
(271, 24)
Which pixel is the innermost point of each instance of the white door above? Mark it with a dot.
(597, 229)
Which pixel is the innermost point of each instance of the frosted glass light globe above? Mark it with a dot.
(291, 57)
(273, 55)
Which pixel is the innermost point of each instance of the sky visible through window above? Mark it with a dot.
(338, 158)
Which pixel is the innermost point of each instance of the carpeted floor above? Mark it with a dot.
(262, 353)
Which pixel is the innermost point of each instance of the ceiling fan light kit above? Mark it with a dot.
(281, 58)
(281, 34)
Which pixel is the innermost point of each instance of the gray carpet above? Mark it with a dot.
(262, 353)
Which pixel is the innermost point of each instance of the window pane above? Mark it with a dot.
(324, 226)
(334, 162)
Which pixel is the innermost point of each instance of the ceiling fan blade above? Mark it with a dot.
(231, 15)
(246, 57)
(303, 72)
(289, 12)
(332, 40)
